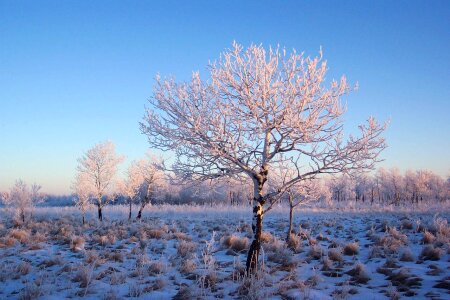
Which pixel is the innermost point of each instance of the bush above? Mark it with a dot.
(407, 255)
(236, 243)
(77, 244)
(428, 237)
(335, 254)
(351, 249)
(186, 248)
(430, 253)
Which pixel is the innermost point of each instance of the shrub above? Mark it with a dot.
(335, 254)
(77, 244)
(359, 274)
(315, 252)
(430, 253)
(83, 275)
(23, 268)
(186, 248)
(156, 233)
(188, 266)
(294, 243)
(20, 234)
(351, 249)
(407, 255)
(236, 243)
(156, 267)
(428, 237)
(30, 291)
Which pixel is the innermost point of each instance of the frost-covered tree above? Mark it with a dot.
(259, 107)
(23, 198)
(99, 166)
(83, 192)
(152, 181)
(130, 186)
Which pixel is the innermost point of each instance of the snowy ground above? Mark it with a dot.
(199, 252)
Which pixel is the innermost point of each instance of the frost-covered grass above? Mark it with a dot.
(190, 252)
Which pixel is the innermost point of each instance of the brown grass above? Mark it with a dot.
(188, 266)
(429, 252)
(351, 249)
(77, 244)
(21, 235)
(407, 255)
(335, 254)
(236, 243)
(186, 248)
(428, 237)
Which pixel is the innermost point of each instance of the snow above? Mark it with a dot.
(121, 259)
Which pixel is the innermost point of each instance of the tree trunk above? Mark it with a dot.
(100, 215)
(291, 216)
(139, 215)
(84, 222)
(258, 212)
(22, 213)
(129, 213)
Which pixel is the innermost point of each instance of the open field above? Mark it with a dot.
(199, 252)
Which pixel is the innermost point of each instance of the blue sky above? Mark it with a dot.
(73, 73)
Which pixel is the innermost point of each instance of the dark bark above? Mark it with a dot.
(84, 222)
(100, 215)
(255, 248)
(129, 213)
(291, 216)
(139, 215)
(258, 205)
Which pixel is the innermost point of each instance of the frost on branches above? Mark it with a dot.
(23, 198)
(260, 108)
(98, 168)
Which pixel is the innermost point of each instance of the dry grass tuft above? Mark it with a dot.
(351, 249)
(84, 275)
(335, 254)
(21, 235)
(429, 252)
(428, 237)
(236, 243)
(359, 274)
(186, 248)
(188, 266)
(181, 236)
(30, 291)
(407, 255)
(23, 268)
(294, 243)
(156, 233)
(156, 267)
(315, 252)
(77, 244)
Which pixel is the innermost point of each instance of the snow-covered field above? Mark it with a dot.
(189, 252)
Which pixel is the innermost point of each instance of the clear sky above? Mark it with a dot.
(73, 73)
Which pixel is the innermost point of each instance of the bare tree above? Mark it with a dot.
(260, 107)
(152, 180)
(83, 191)
(23, 199)
(99, 164)
(131, 185)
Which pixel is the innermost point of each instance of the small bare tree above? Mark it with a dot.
(130, 186)
(23, 199)
(99, 166)
(152, 179)
(83, 191)
(259, 108)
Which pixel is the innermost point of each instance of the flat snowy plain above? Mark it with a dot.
(198, 252)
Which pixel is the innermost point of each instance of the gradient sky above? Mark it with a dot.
(73, 73)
